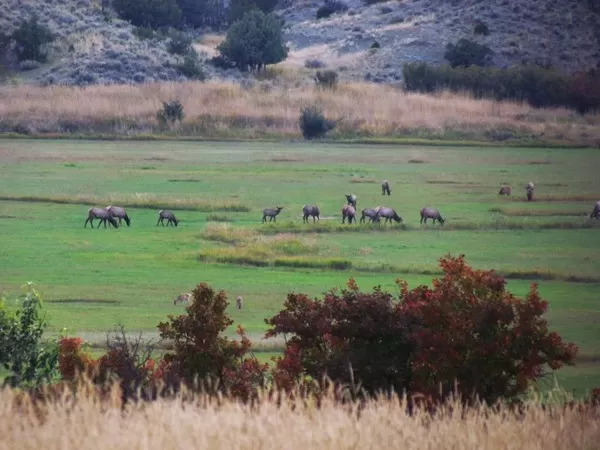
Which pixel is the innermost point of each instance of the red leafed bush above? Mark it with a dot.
(466, 332)
(72, 360)
(201, 353)
(584, 90)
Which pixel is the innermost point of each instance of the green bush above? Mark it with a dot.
(313, 123)
(149, 13)
(171, 112)
(28, 360)
(481, 28)
(180, 43)
(201, 13)
(467, 53)
(237, 8)
(30, 39)
(254, 41)
(191, 67)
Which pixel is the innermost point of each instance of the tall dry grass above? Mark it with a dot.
(204, 423)
(220, 109)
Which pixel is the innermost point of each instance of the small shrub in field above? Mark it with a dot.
(326, 79)
(314, 64)
(237, 8)
(376, 44)
(466, 332)
(149, 13)
(584, 91)
(191, 67)
(171, 112)
(313, 123)
(466, 53)
(331, 7)
(180, 43)
(481, 28)
(30, 39)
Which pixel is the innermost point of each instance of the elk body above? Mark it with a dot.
(389, 214)
(529, 189)
(171, 219)
(271, 213)
(119, 213)
(371, 213)
(183, 298)
(385, 188)
(239, 302)
(100, 213)
(596, 211)
(310, 211)
(505, 190)
(431, 213)
(348, 212)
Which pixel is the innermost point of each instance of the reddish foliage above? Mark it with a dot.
(72, 361)
(585, 90)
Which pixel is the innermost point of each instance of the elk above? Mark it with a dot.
(596, 211)
(431, 213)
(505, 190)
(312, 211)
(351, 199)
(171, 219)
(371, 213)
(389, 214)
(239, 302)
(348, 212)
(100, 213)
(529, 188)
(271, 213)
(385, 188)
(183, 298)
(120, 213)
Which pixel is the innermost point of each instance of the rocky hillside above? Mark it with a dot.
(90, 49)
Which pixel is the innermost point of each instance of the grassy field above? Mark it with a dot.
(92, 279)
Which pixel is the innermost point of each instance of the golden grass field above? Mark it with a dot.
(203, 423)
(221, 109)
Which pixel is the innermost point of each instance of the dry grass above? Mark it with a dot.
(138, 200)
(201, 422)
(226, 109)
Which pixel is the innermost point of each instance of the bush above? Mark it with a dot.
(254, 41)
(313, 123)
(536, 85)
(149, 13)
(30, 39)
(466, 53)
(22, 353)
(481, 28)
(200, 13)
(314, 64)
(170, 112)
(180, 43)
(237, 8)
(326, 79)
(191, 67)
(467, 333)
(331, 7)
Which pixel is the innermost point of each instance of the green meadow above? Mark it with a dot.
(92, 279)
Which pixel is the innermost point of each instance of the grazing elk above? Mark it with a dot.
(183, 298)
(100, 213)
(351, 199)
(271, 213)
(239, 302)
(171, 219)
(431, 213)
(389, 214)
(505, 190)
(385, 188)
(529, 188)
(596, 211)
(120, 213)
(310, 211)
(348, 212)
(371, 213)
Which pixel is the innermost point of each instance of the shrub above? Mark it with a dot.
(237, 8)
(254, 41)
(376, 44)
(30, 39)
(149, 13)
(481, 28)
(201, 353)
(466, 332)
(314, 64)
(584, 90)
(466, 53)
(22, 354)
(200, 13)
(171, 112)
(331, 7)
(313, 123)
(326, 79)
(180, 43)
(191, 67)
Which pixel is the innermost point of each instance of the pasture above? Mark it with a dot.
(93, 278)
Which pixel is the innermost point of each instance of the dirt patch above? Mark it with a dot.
(460, 183)
(537, 213)
(531, 162)
(363, 180)
(84, 301)
(8, 217)
(157, 158)
(284, 159)
(188, 180)
(564, 198)
(417, 161)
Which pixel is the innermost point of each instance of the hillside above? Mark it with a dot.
(91, 50)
